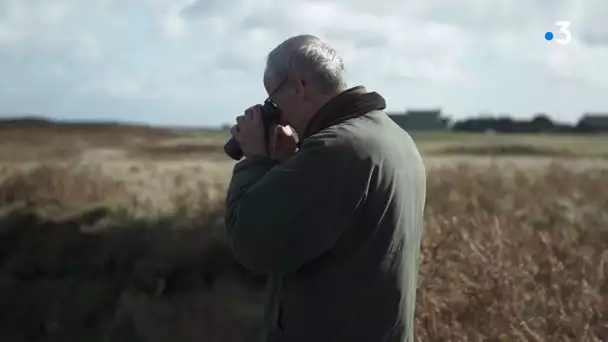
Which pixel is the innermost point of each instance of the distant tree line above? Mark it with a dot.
(541, 123)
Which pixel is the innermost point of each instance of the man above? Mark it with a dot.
(336, 225)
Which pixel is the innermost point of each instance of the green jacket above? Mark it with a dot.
(336, 228)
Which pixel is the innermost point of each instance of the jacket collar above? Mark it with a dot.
(349, 104)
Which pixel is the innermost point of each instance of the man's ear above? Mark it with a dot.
(298, 86)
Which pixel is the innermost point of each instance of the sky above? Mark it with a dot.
(200, 62)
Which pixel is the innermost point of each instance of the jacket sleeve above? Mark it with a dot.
(278, 218)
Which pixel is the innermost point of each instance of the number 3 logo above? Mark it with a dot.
(564, 30)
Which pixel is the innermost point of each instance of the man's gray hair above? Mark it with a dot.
(311, 59)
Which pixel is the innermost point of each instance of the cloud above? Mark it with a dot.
(201, 62)
(172, 24)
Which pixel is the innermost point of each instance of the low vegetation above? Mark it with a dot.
(92, 255)
(505, 150)
(114, 233)
(40, 140)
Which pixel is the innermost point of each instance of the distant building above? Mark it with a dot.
(593, 123)
(420, 120)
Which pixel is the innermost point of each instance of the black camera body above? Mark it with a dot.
(270, 116)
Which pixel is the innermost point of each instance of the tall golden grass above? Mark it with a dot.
(519, 257)
(507, 255)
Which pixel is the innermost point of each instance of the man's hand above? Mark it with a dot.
(249, 132)
(282, 142)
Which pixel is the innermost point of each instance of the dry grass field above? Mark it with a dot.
(114, 233)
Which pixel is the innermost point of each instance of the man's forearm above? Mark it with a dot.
(278, 220)
(247, 173)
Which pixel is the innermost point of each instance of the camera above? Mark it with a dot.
(270, 116)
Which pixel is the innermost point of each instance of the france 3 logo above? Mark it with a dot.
(565, 36)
